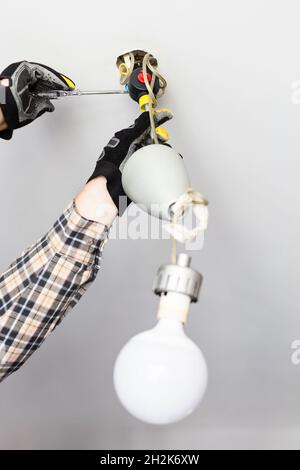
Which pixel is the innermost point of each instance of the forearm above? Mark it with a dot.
(3, 124)
(49, 278)
(95, 203)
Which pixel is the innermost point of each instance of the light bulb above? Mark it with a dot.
(160, 375)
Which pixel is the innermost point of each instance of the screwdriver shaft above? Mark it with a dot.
(55, 94)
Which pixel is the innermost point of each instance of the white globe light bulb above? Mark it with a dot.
(160, 375)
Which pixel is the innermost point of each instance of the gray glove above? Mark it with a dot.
(21, 106)
(121, 147)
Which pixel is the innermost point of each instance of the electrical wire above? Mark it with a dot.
(126, 68)
(152, 105)
(174, 241)
(152, 99)
(191, 198)
(126, 74)
(179, 233)
(150, 86)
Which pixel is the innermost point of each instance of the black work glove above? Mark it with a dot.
(21, 106)
(120, 148)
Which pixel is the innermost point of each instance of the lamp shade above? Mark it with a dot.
(154, 178)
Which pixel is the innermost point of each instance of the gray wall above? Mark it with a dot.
(230, 66)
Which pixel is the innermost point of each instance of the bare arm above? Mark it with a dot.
(3, 124)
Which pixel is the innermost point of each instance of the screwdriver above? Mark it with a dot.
(56, 94)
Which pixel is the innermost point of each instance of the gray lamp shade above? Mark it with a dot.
(154, 178)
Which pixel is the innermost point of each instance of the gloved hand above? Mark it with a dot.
(120, 148)
(21, 106)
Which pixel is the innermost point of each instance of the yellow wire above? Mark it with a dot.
(124, 79)
(174, 219)
(125, 76)
(152, 105)
(152, 99)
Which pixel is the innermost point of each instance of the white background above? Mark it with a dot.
(230, 66)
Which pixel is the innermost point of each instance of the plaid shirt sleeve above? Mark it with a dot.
(41, 286)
